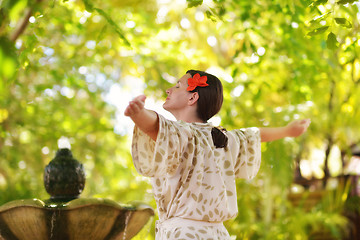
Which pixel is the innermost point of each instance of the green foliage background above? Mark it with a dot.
(279, 60)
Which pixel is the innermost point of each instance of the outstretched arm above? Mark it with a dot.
(293, 129)
(146, 120)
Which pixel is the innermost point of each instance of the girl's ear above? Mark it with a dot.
(194, 97)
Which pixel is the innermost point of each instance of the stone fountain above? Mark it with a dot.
(65, 216)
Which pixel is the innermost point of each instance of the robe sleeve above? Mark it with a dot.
(161, 157)
(247, 152)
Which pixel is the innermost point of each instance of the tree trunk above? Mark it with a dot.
(326, 164)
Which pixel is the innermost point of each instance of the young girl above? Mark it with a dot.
(193, 165)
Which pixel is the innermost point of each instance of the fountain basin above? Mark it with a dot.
(79, 219)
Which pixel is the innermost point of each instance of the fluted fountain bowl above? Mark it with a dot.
(79, 219)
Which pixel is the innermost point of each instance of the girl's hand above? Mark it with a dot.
(146, 120)
(135, 106)
(297, 127)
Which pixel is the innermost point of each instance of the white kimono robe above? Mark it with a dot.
(191, 178)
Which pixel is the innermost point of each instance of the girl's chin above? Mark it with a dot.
(165, 106)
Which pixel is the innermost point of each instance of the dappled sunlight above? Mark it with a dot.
(69, 69)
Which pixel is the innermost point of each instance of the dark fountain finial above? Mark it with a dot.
(64, 177)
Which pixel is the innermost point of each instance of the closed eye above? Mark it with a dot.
(177, 84)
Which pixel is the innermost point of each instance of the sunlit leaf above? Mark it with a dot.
(17, 9)
(343, 22)
(345, 1)
(8, 59)
(318, 31)
(340, 20)
(317, 19)
(194, 3)
(331, 41)
(113, 25)
(318, 2)
(211, 15)
(88, 5)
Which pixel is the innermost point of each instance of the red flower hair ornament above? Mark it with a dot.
(196, 81)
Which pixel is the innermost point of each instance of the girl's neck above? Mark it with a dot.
(190, 120)
(189, 117)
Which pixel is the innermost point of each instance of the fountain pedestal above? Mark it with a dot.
(79, 219)
(65, 216)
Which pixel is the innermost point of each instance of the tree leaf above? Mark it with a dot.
(320, 17)
(88, 6)
(194, 3)
(210, 15)
(343, 22)
(8, 59)
(318, 2)
(340, 20)
(345, 1)
(331, 41)
(318, 31)
(113, 24)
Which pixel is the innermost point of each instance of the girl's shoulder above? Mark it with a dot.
(171, 126)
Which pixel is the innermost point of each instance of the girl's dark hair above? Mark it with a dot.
(209, 103)
(219, 137)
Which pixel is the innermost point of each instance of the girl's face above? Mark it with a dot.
(178, 96)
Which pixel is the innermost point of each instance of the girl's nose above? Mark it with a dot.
(168, 91)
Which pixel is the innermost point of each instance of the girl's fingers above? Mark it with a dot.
(128, 111)
(298, 127)
(140, 98)
(136, 105)
(305, 121)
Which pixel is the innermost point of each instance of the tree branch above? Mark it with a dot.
(22, 25)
